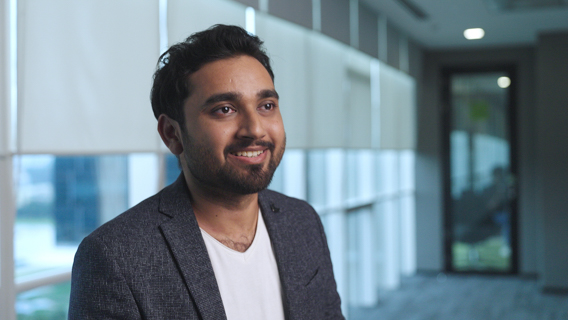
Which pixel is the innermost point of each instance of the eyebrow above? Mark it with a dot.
(233, 96)
(226, 96)
(268, 94)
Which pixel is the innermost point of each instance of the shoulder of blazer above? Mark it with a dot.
(147, 215)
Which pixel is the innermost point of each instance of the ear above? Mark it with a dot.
(170, 132)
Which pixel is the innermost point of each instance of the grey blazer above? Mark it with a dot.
(151, 263)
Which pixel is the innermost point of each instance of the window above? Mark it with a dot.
(69, 182)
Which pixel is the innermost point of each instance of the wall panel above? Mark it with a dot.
(335, 19)
(296, 11)
(368, 31)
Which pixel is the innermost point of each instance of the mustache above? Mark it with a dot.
(244, 144)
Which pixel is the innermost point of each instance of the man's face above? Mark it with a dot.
(234, 136)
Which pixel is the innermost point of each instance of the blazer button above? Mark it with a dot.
(274, 208)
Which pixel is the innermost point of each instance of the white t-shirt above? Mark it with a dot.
(248, 281)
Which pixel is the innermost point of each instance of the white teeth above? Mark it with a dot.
(249, 154)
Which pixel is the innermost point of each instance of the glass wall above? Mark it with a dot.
(60, 200)
(49, 302)
(80, 143)
(363, 197)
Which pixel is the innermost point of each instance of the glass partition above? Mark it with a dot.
(45, 303)
(61, 199)
(481, 181)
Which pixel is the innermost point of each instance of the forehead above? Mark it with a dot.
(242, 74)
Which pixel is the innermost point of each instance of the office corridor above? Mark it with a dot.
(466, 297)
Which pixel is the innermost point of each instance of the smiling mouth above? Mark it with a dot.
(248, 154)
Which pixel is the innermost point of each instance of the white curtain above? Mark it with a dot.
(85, 73)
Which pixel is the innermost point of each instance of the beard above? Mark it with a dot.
(225, 177)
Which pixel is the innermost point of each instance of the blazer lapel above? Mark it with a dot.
(188, 249)
(295, 264)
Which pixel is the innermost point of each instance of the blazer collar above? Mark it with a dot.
(189, 251)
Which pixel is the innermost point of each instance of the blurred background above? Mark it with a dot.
(435, 156)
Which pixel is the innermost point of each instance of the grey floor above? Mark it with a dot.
(465, 297)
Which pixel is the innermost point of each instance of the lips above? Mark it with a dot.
(249, 149)
(248, 154)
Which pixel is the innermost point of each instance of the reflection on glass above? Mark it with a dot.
(45, 303)
(351, 185)
(60, 200)
(481, 182)
(316, 177)
(172, 168)
(387, 180)
(360, 257)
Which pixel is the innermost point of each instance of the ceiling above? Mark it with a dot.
(506, 22)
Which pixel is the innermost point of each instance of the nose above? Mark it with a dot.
(251, 126)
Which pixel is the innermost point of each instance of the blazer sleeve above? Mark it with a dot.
(98, 287)
(332, 301)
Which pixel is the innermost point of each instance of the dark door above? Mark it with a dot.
(480, 198)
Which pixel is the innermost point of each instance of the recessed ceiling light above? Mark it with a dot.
(504, 82)
(474, 33)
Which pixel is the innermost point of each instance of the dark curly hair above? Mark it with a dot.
(170, 87)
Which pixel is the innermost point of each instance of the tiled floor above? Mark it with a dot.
(466, 297)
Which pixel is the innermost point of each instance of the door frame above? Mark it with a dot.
(446, 73)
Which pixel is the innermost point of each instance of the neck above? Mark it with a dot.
(230, 218)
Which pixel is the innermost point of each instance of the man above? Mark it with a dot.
(215, 244)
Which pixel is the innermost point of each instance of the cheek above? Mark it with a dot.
(217, 138)
(276, 128)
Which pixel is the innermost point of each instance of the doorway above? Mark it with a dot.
(480, 170)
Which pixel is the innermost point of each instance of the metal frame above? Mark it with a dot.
(7, 217)
(7, 209)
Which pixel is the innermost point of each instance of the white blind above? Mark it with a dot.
(189, 16)
(327, 76)
(397, 109)
(287, 46)
(85, 73)
(359, 112)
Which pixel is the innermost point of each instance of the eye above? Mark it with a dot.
(224, 110)
(268, 106)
